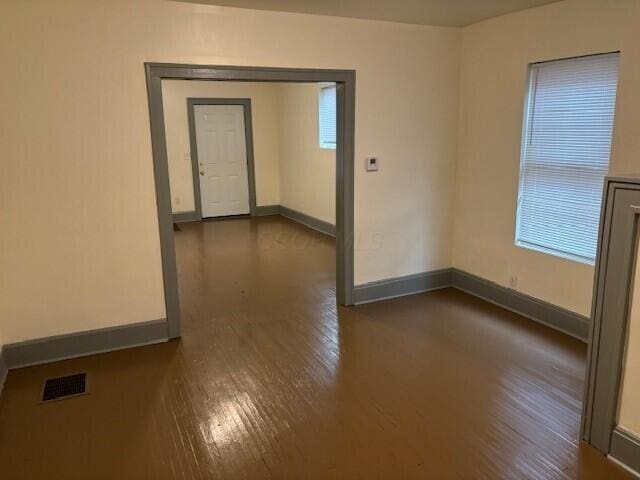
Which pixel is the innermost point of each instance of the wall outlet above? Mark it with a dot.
(176, 200)
(513, 282)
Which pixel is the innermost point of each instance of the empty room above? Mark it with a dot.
(252, 181)
(320, 240)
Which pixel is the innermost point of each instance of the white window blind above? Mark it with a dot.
(566, 146)
(328, 117)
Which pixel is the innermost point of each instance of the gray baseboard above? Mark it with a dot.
(625, 449)
(79, 344)
(182, 217)
(311, 222)
(559, 318)
(62, 347)
(555, 317)
(266, 210)
(4, 370)
(401, 286)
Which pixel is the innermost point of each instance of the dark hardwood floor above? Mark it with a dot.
(270, 380)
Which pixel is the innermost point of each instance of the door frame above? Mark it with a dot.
(607, 342)
(248, 133)
(345, 81)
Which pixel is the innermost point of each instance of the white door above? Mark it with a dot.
(222, 158)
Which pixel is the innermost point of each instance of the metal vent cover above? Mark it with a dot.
(61, 388)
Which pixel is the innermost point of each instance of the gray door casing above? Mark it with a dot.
(248, 130)
(345, 81)
(615, 265)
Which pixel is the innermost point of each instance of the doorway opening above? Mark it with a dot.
(344, 81)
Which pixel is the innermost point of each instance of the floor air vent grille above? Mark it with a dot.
(61, 388)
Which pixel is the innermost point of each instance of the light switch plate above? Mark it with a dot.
(372, 164)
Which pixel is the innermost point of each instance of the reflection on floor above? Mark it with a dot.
(270, 380)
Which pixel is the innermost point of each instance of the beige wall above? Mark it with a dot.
(78, 226)
(629, 417)
(495, 55)
(307, 172)
(265, 113)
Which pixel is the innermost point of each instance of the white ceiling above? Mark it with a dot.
(455, 13)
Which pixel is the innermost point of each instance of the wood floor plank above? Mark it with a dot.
(272, 381)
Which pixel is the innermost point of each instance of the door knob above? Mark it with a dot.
(201, 173)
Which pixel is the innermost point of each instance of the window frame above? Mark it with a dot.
(321, 142)
(532, 73)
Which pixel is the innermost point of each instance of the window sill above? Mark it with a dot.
(555, 253)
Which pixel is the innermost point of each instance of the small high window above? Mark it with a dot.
(327, 120)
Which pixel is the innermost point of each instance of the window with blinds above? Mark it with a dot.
(327, 119)
(566, 144)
